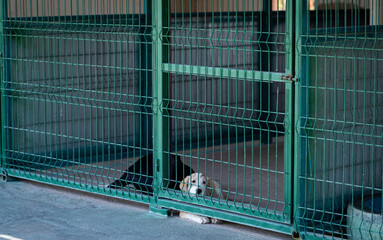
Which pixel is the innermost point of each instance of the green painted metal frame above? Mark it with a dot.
(161, 141)
(2, 98)
(134, 196)
(231, 216)
(290, 107)
(306, 74)
(261, 217)
(295, 78)
(223, 72)
(3, 75)
(300, 8)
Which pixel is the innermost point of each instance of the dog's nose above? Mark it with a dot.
(199, 191)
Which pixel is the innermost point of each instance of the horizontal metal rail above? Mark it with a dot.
(223, 72)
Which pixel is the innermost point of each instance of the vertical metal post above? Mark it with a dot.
(2, 87)
(160, 94)
(301, 21)
(290, 110)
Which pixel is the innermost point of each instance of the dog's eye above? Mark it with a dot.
(193, 181)
(203, 182)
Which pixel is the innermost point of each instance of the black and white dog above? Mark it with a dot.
(140, 174)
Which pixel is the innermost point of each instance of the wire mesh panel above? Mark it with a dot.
(226, 103)
(340, 123)
(76, 100)
(128, 98)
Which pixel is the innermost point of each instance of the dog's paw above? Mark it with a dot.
(215, 221)
(204, 220)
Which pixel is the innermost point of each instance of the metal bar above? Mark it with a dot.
(236, 218)
(246, 209)
(4, 118)
(2, 98)
(131, 196)
(223, 72)
(161, 144)
(300, 26)
(290, 111)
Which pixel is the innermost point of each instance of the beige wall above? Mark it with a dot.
(215, 5)
(40, 8)
(323, 4)
(34, 8)
(340, 4)
(376, 7)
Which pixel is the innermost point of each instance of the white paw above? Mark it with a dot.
(204, 220)
(215, 221)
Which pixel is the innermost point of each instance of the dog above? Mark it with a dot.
(199, 184)
(140, 174)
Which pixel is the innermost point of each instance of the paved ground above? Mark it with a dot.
(36, 211)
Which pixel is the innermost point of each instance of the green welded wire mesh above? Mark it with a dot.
(77, 91)
(82, 99)
(340, 119)
(226, 117)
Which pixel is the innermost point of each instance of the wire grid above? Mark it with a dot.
(78, 82)
(78, 86)
(226, 123)
(340, 120)
(76, 101)
(77, 91)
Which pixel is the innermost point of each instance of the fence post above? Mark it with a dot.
(290, 111)
(160, 12)
(2, 87)
(301, 28)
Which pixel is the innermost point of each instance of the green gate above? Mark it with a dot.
(277, 101)
(227, 94)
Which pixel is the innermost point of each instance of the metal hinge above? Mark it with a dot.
(289, 77)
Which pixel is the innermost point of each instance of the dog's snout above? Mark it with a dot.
(199, 191)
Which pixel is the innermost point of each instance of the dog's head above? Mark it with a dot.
(195, 184)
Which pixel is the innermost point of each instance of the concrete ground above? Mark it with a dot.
(31, 210)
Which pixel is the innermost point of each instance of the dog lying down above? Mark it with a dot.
(140, 174)
(199, 184)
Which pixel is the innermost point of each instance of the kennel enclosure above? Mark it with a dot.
(278, 101)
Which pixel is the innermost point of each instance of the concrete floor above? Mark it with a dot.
(250, 173)
(32, 210)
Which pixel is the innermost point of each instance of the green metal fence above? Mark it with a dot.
(225, 105)
(339, 123)
(278, 101)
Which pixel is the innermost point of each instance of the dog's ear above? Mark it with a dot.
(184, 185)
(218, 190)
(209, 187)
(209, 182)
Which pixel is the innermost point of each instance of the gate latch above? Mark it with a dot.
(288, 77)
